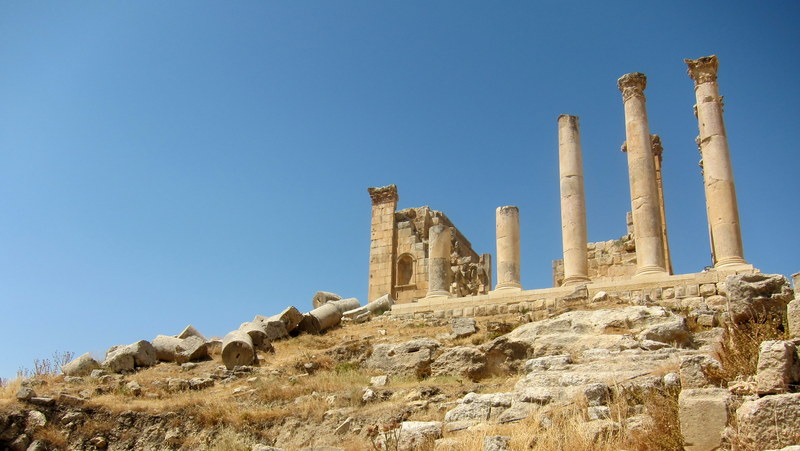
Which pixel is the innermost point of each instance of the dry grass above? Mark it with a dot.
(739, 348)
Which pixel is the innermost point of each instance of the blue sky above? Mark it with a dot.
(202, 162)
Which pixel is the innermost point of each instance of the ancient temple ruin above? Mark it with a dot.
(419, 257)
(418, 252)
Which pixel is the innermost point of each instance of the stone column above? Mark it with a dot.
(573, 202)
(439, 260)
(508, 248)
(721, 205)
(658, 150)
(383, 241)
(648, 235)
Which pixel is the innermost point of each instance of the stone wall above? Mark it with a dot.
(612, 260)
(399, 252)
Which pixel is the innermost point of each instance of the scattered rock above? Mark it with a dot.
(81, 366)
(379, 381)
(777, 366)
(769, 422)
(418, 434)
(703, 415)
(496, 443)
(25, 394)
(463, 327)
(757, 296)
(699, 371)
(460, 361)
(412, 358)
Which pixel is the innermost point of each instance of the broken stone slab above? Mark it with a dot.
(290, 317)
(699, 371)
(777, 365)
(754, 296)
(793, 317)
(412, 358)
(463, 327)
(673, 332)
(703, 414)
(180, 350)
(323, 297)
(757, 421)
(480, 407)
(237, 349)
(190, 331)
(258, 335)
(460, 361)
(320, 319)
(379, 381)
(128, 357)
(496, 443)
(418, 434)
(81, 366)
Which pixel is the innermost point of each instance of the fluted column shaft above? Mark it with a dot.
(439, 260)
(721, 204)
(508, 255)
(645, 207)
(573, 201)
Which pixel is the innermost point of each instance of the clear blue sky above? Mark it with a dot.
(167, 163)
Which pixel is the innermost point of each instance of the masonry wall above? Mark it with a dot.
(613, 260)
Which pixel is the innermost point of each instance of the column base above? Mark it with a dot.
(508, 285)
(576, 280)
(731, 261)
(650, 271)
(438, 294)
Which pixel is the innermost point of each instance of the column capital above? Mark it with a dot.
(632, 85)
(703, 70)
(655, 143)
(383, 194)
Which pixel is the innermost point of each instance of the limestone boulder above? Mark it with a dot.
(412, 358)
(81, 366)
(770, 422)
(476, 407)
(673, 332)
(578, 331)
(793, 316)
(418, 434)
(180, 350)
(700, 371)
(777, 366)
(463, 327)
(127, 358)
(290, 317)
(757, 296)
(703, 414)
(460, 361)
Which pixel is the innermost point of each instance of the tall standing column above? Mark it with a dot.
(508, 248)
(658, 151)
(721, 205)
(573, 202)
(439, 260)
(383, 241)
(647, 233)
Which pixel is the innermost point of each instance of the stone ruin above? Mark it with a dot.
(404, 263)
(408, 260)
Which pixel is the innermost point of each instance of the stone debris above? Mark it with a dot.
(699, 371)
(769, 422)
(191, 331)
(703, 416)
(237, 349)
(463, 327)
(180, 350)
(81, 366)
(412, 358)
(496, 443)
(126, 358)
(418, 434)
(757, 296)
(778, 367)
(322, 297)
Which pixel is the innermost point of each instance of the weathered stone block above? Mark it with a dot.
(703, 416)
(699, 371)
(708, 289)
(793, 316)
(776, 362)
(770, 422)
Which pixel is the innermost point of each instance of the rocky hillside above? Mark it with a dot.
(607, 375)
